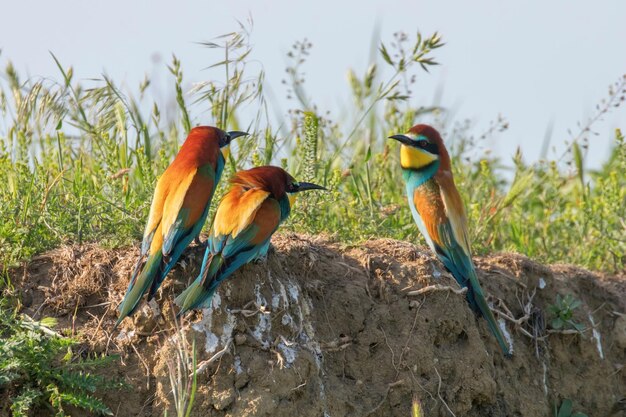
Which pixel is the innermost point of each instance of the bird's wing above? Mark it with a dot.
(238, 249)
(237, 210)
(156, 212)
(457, 248)
(455, 212)
(186, 207)
(226, 253)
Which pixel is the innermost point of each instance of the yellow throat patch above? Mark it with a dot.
(414, 158)
(292, 199)
(225, 152)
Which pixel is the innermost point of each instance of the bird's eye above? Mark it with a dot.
(422, 144)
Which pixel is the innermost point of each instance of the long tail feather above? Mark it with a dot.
(476, 298)
(200, 292)
(139, 285)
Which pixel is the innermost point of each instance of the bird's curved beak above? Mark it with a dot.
(402, 139)
(235, 134)
(303, 186)
(231, 135)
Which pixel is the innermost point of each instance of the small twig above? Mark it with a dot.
(408, 339)
(204, 364)
(144, 364)
(97, 305)
(337, 345)
(437, 287)
(505, 316)
(279, 358)
(567, 331)
(393, 362)
(439, 392)
(299, 386)
(389, 386)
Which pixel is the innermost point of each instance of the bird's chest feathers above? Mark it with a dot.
(427, 201)
(416, 177)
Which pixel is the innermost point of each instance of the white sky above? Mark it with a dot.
(531, 61)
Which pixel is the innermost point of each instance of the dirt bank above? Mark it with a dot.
(321, 329)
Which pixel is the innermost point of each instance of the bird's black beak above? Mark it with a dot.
(303, 186)
(402, 139)
(235, 134)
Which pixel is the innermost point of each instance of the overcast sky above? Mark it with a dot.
(534, 62)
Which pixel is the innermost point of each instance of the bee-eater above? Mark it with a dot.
(179, 209)
(440, 215)
(258, 201)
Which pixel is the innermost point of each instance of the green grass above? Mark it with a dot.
(38, 369)
(79, 161)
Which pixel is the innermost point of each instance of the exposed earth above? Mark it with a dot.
(323, 329)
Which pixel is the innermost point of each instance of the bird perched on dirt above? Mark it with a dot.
(179, 209)
(439, 213)
(258, 201)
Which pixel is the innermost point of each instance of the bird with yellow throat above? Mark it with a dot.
(438, 210)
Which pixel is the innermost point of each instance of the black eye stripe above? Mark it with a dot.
(427, 146)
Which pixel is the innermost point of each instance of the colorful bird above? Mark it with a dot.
(439, 213)
(258, 201)
(179, 209)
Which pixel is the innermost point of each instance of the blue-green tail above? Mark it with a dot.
(139, 284)
(200, 292)
(477, 300)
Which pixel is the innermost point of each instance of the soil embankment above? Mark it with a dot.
(321, 329)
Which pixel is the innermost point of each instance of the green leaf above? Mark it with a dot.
(385, 54)
(566, 408)
(557, 324)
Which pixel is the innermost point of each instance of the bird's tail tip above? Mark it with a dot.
(117, 323)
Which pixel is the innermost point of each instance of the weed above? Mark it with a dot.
(38, 368)
(563, 311)
(566, 409)
(182, 371)
(79, 160)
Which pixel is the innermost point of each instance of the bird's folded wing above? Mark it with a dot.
(455, 212)
(453, 236)
(237, 210)
(234, 250)
(156, 213)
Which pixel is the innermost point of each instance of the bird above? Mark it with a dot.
(179, 210)
(438, 210)
(259, 200)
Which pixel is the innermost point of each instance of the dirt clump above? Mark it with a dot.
(323, 329)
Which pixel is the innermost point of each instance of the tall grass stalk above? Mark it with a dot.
(79, 160)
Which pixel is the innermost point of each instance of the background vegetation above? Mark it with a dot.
(79, 161)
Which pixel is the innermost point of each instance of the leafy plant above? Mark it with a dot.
(182, 372)
(563, 311)
(79, 160)
(38, 368)
(566, 410)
